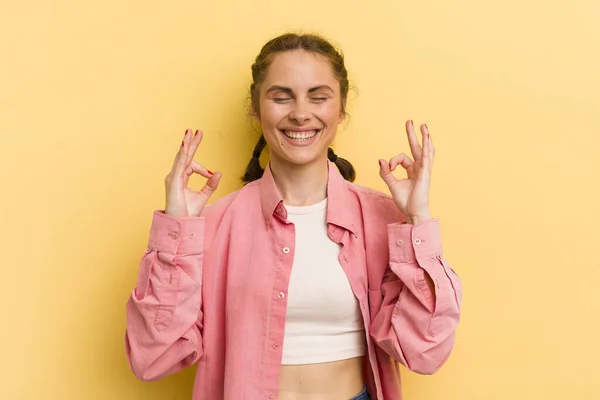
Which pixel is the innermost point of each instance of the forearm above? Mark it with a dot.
(422, 295)
(164, 312)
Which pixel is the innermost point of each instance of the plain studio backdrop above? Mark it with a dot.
(94, 101)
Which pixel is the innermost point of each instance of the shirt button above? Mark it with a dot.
(286, 250)
(400, 242)
(417, 241)
(420, 284)
(174, 235)
(271, 396)
(192, 235)
(281, 295)
(275, 346)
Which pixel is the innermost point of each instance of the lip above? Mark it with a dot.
(303, 143)
(296, 129)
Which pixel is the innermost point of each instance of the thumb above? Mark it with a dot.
(385, 172)
(212, 184)
(214, 180)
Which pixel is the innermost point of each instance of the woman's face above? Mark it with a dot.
(300, 107)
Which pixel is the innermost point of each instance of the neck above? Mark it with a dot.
(301, 185)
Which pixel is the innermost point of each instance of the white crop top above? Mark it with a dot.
(323, 322)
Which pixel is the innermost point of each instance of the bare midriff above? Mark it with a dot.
(337, 380)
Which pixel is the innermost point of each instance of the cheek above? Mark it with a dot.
(330, 112)
(271, 114)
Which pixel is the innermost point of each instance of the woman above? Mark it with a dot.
(301, 285)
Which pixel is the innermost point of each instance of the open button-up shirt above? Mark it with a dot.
(212, 290)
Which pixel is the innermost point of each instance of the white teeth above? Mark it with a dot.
(300, 136)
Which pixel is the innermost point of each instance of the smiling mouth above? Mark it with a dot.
(299, 135)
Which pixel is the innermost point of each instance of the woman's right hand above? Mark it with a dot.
(182, 201)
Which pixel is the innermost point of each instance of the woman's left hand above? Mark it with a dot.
(411, 194)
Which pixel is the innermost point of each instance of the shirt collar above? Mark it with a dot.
(339, 200)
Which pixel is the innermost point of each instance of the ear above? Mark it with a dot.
(256, 117)
(342, 112)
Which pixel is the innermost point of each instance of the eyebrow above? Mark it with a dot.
(288, 90)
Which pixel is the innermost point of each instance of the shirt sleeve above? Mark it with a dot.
(415, 325)
(164, 311)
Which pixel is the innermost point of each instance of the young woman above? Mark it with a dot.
(302, 285)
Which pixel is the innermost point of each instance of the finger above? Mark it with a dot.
(413, 141)
(405, 161)
(196, 168)
(428, 150)
(401, 159)
(211, 185)
(386, 173)
(431, 147)
(194, 143)
(424, 173)
(180, 160)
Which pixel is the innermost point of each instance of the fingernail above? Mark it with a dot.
(426, 126)
(210, 172)
(410, 121)
(196, 132)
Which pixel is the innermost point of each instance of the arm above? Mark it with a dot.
(421, 293)
(416, 324)
(164, 312)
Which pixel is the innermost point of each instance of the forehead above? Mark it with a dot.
(300, 69)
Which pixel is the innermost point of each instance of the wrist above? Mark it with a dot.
(416, 219)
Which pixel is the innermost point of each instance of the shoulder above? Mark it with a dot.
(241, 196)
(371, 196)
(376, 203)
(368, 193)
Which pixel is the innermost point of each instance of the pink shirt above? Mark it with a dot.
(212, 290)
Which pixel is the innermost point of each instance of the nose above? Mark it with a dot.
(300, 112)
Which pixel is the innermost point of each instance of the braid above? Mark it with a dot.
(254, 171)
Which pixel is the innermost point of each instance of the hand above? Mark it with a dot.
(411, 194)
(182, 201)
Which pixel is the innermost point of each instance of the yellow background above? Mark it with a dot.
(94, 100)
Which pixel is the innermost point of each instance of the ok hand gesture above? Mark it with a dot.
(411, 194)
(181, 201)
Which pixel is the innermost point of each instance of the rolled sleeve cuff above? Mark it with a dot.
(408, 242)
(176, 235)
